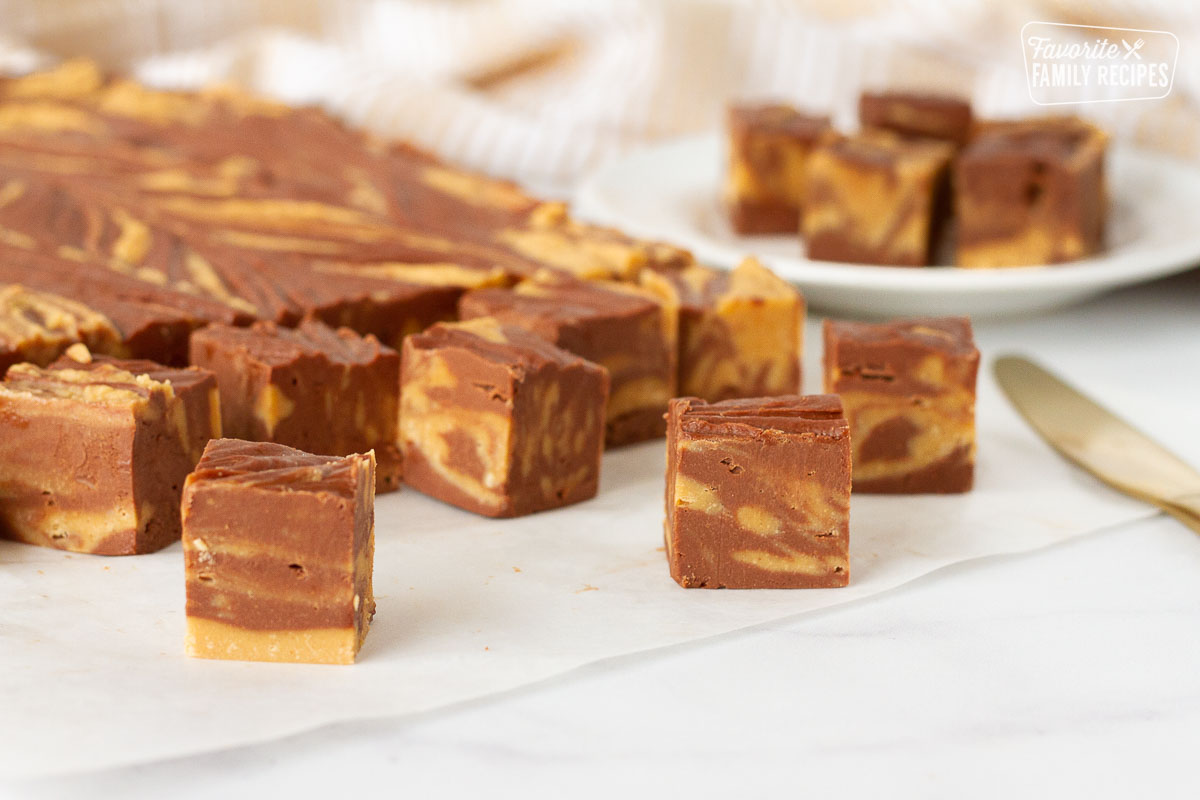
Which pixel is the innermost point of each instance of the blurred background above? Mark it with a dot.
(543, 91)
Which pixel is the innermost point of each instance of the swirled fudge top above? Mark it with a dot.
(488, 338)
(762, 417)
(275, 344)
(276, 467)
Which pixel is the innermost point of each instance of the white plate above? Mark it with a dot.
(671, 192)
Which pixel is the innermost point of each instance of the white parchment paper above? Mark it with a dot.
(92, 670)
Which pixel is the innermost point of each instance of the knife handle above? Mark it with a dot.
(1186, 509)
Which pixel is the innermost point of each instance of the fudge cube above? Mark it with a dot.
(758, 493)
(498, 421)
(93, 457)
(876, 199)
(1029, 193)
(37, 326)
(324, 391)
(769, 147)
(625, 329)
(740, 332)
(917, 115)
(908, 388)
(278, 547)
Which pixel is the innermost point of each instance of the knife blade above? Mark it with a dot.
(1099, 441)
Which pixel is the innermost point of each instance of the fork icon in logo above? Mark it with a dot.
(1132, 49)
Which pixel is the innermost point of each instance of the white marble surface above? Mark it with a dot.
(1073, 671)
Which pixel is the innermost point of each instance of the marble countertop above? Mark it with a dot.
(1069, 671)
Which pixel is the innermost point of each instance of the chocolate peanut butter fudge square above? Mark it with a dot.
(909, 391)
(758, 493)
(324, 391)
(769, 147)
(626, 329)
(93, 458)
(498, 421)
(740, 332)
(279, 548)
(1032, 192)
(876, 198)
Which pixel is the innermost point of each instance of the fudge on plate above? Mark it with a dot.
(279, 548)
(93, 456)
(626, 329)
(918, 115)
(769, 147)
(908, 388)
(324, 391)
(1031, 192)
(498, 421)
(758, 493)
(740, 332)
(877, 198)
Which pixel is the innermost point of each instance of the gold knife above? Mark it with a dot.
(1100, 441)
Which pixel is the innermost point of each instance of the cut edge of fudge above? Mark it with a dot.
(38, 326)
(740, 331)
(758, 493)
(877, 198)
(496, 420)
(251, 361)
(911, 388)
(1047, 202)
(124, 505)
(768, 147)
(244, 587)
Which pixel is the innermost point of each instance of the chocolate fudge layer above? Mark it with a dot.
(37, 326)
(93, 459)
(325, 391)
(496, 420)
(1031, 192)
(758, 493)
(769, 147)
(909, 391)
(876, 199)
(919, 115)
(627, 330)
(740, 332)
(278, 549)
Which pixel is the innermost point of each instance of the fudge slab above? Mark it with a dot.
(769, 147)
(1030, 193)
(498, 421)
(279, 547)
(625, 329)
(918, 115)
(93, 458)
(909, 391)
(740, 332)
(876, 198)
(37, 326)
(325, 391)
(758, 493)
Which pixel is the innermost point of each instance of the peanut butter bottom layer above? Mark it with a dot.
(208, 638)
